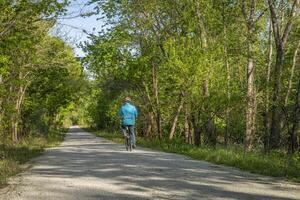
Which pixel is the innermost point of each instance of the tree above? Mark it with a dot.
(183, 63)
(281, 38)
(23, 32)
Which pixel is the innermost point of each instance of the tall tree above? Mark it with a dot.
(281, 38)
(249, 12)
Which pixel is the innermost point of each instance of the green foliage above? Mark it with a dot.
(53, 89)
(14, 156)
(163, 53)
(39, 78)
(39, 74)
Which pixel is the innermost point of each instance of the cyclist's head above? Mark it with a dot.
(127, 99)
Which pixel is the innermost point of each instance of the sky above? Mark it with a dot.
(70, 27)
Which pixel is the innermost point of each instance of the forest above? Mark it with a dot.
(203, 73)
(39, 77)
(211, 73)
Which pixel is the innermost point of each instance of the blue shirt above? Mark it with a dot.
(128, 113)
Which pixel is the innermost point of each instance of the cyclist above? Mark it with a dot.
(128, 114)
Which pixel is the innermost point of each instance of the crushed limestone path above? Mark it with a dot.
(85, 167)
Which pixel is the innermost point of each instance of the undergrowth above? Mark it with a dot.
(12, 156)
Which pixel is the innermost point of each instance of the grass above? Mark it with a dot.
(276, 164)
(13, 156)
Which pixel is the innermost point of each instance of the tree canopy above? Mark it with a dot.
(39, 74)
(208, 72)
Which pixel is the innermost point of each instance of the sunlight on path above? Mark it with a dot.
(86, 167)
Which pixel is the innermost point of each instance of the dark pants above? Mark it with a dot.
(131, 132)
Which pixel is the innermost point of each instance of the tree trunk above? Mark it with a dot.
(287, 96)
(1, 107)
(187, 128)
(281, 38)
(267, 111)
(174, 124)
(202, 29)
(152, 110)
(15, 121)
(149, 122)
(228, 77)
(275, 108)
(292, 75)
(294, 143)
(155, 92)
(250, 109)
(150, 125)
(18, 104)
(228, 102)
(197, 131)
(210, 137)
(192, 130)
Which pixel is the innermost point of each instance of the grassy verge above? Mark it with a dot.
(276, 164)
(13, 156)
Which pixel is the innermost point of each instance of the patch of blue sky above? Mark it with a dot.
(73, 28)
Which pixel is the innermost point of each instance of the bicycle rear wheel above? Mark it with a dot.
(126, 143)
(129, 144)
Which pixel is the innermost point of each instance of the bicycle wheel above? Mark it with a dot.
(129, 144)
(126, 143)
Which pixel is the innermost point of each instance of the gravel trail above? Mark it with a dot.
(87, 167)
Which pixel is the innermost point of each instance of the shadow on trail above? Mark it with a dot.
(162, 175)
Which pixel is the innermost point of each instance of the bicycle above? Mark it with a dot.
(127, 136)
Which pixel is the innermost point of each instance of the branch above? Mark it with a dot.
(292, 74)
(75, 14)
(75, 27)
(7, 28)
(275, 24)
(259, 16)
(244, 11)
(252, 11)
(289, 24)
